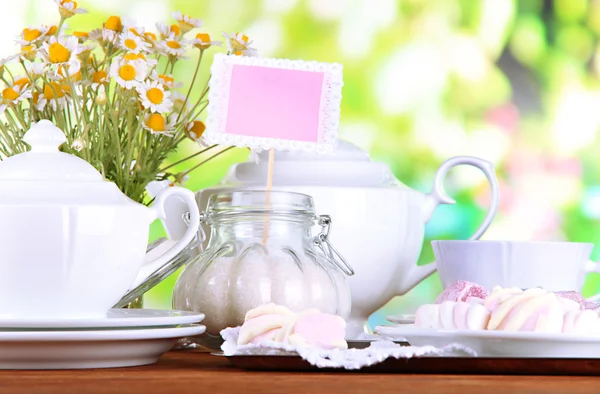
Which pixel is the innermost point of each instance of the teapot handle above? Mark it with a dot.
(169, 255)
(439, 196)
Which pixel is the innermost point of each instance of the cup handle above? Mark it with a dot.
(194, 223)
(439, 196)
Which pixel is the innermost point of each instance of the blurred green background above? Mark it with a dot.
(516, 83)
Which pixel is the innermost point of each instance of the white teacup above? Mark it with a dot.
(554, 266)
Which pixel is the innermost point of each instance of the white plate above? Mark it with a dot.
(401, 319)
(501, 343)
(88, 349)
(116, 318)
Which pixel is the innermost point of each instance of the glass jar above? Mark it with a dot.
(262, 250)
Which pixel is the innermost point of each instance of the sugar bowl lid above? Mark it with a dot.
(46, 174)
(347, 166)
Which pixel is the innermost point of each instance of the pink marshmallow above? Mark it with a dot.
(462, 291)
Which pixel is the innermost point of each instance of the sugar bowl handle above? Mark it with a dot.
(194, 223)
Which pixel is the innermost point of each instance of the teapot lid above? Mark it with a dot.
(45, 174)
(347, 166)
(44, 162)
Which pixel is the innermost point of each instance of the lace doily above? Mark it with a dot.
(218, 101)
(349, 359)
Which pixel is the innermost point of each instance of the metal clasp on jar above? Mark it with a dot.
(322, 241)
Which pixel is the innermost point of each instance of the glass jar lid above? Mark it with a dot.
(230, 205)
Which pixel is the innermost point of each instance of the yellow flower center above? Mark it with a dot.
(10, 94)
(80, 34)
(58, 53)
(173, 44)
(150, 36)
(127, 72)
(244, 37)
(197, 128)
(132, 56)
(155, 95)
(238, 53)
(156, 122)
(167, 79)
(52, 30)
(113, 23)
(54, 90)
(66, 2)
(205, 37)
(98, 76)
(27, 48)
(22, 82)
(130, 43)
(175, 29)
(31, 34)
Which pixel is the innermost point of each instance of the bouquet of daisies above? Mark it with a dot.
(112, 91)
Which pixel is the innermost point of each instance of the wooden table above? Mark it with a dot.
(189, 371)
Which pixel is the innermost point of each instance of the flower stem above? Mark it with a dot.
(191, 85)
(188, 158)
(207, 160)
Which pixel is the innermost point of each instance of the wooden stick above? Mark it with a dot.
(269, 187)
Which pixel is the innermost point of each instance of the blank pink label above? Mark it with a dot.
(274, 103)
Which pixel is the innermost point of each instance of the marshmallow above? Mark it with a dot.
(273, 322)
(452, 315)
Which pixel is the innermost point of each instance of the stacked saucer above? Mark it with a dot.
(125, 337)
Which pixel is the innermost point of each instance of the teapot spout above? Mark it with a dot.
(420, 273)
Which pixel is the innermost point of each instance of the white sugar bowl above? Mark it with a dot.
(71, 242)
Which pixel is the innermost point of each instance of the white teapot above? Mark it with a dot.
(379, 222)
(72, 243)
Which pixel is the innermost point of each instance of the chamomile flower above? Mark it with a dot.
(5, 60)
(99, 78)
(28, 52)
(62, 51)
(237, 42)
(78, 144)
(158, 124)
(54, 95)
(32, 34)
(140, 58)
(132, 43)
(250, 52)
(82, 36)
(153, 96)
(172, 47)
(166, 80)
(109, 32)
(15, 93)
(185, 22)
(35, 70)
(113, 23)
(195, 129)
(203, 41)
(179, 101)
(104, 36)
(128, 74)
(167, 31)
(68, 8)
(150, 37)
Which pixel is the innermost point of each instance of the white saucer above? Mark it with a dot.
(501, 343)
(116, 318)
(88, 349)
(401, 319)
